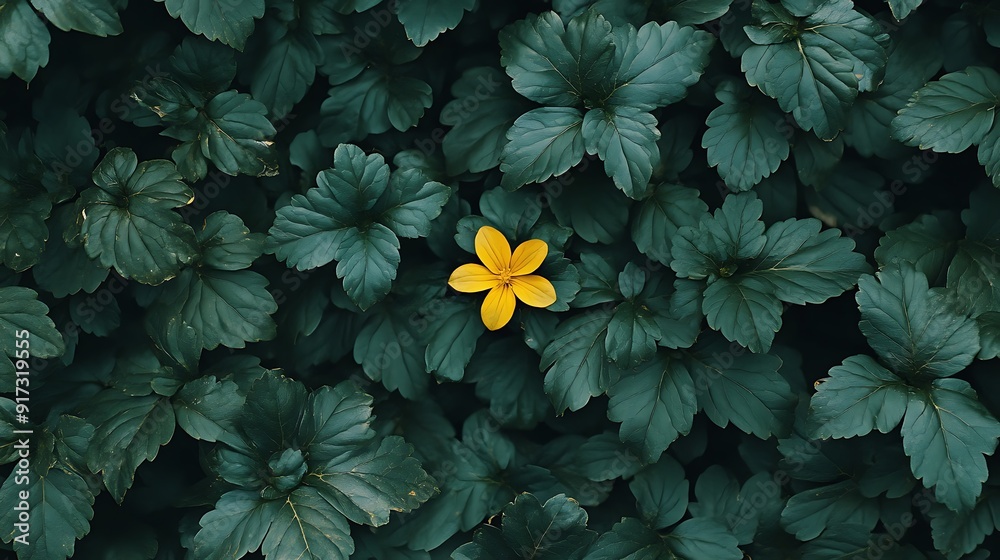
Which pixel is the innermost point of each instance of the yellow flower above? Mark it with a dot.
(505, 275)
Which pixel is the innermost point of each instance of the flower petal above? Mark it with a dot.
(493, 249)
(528, 257)
(473, 278)
(533, 290)
(498, 307)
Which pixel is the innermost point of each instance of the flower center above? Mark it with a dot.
(505, 276)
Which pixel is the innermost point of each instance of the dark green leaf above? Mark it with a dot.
(224, 307)
(816, 160)
(913, 61)
(366, 485)
(912, 329)
(207, 408)
(98, 320)
(23, 210)
(858, 397)
(24, 41)
(958, 534)
(746, 138)
(306, 527)
(741, 509)
(814, 59)
(692, 540)
(128, 218)
(424, 20)
(929, 243)
(64, 269)
(806, 265)
(596, 213)
(691, 12)
(232, 131)
(97, 17)
(742, 388)
(655, 404)
(336, 422)
(272, 413)
(946, 432)
(23, 317)
(452, 344)
(129, 430)
(227, 244)
(989, 335)
(809, 512)
(555, 64)
(391, 351)
(484, 108)
(632, 335)
(952, 113)
(228, 22)
(972, 276)
(282, 74)
(733, 233)
(661, 493)
(505, 373)
(660, 216)
(373, 103)
(852, 199)
(411, 202)
(472, 493)
(367, 263)
(308, 231)
(657, 63)
(575, 363)
(744, 309)
(207, 66)
(60, 505)
(542, 143)
(236, 526)
(625, 139)
(902, 8)
(555, 530)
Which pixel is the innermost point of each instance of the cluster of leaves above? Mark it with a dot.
(243, 344)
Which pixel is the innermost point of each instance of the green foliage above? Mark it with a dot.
(814, 59)
(231, 324)
(354, 216)
(655, 65)
(749, 272)
(128, 220)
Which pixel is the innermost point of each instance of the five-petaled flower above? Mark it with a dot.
(505, 275)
